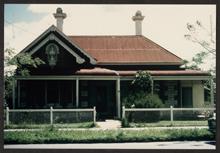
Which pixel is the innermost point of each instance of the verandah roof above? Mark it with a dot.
(104, 71)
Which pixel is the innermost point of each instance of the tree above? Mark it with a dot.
(142, 82)
(204, 37)
(16, 65)
(141, 94)
(142, 97)
(196, 61)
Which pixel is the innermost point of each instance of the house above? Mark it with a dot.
(87, 71)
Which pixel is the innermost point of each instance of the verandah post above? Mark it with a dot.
(118, 97)
(171, 114)
(51, 115)
(77, 92)
(7, 115)
(211, 92)
(94, 114)
(123, 112)
(13, 93)
(152, 86)
(77, 98)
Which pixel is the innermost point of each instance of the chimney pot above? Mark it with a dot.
(59, 16)
(138, 18)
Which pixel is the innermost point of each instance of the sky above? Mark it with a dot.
(163, 24)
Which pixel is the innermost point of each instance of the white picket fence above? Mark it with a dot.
(51, 111)
(171, 110)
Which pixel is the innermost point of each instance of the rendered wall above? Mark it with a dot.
(197, 92)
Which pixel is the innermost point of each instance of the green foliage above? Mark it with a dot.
(125, 123)
(142, 82)
(105, 136)
(196, 33)
(212, 125)
(50, 128)
(43, 126)
(21, 62)
(142, 100)
(142, 97)
(181, 123)
(8, 83)
(197, 60)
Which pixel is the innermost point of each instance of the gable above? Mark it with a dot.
(64, 58)
(52, 34)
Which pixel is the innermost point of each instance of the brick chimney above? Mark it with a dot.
(59, 16)
(138, 18)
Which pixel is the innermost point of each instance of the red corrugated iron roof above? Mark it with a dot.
(104, 71)
(125, 49)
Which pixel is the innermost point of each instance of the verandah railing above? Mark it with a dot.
(168, 113)
(49, 116)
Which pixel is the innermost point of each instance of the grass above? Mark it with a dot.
(41, 126)
(168, 124)
(105, 136)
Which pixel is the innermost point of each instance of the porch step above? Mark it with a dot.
(109, 124)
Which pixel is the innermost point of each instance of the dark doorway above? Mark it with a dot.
(187, 96)
(105, 99)
(101, 101)
(53, 94)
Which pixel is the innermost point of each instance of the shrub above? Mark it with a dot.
(212, 124)
(142, 100)
(125, 123)
(142, 97)
(142, 82)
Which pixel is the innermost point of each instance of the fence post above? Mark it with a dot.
(51, 115)
(171, 114)
(7, 116)
(94, 114)
(123, 112)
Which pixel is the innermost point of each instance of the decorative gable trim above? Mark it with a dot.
(52, 28)
(92, 60)
(53, 37)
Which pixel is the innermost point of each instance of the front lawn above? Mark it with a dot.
(105, 136)
(168, 124)
(42, 126)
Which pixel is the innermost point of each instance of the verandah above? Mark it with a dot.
(74, 86)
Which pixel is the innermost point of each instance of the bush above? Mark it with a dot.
(212, 124)
(142, 82)
(125, 123)
(143, 100)
(142, 97)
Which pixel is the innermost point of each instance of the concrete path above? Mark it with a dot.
(109, 124)
(148, 145)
